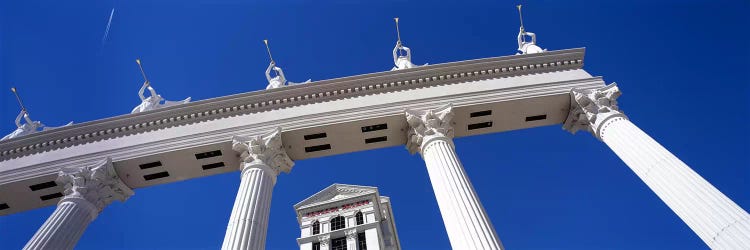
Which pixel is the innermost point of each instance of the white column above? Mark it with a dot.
(263, 157)
(371, 239)
(716, 219)
(351, 239)
(87, 191)
(324, 241)
(465, 219)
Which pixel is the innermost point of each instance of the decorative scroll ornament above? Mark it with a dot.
(154, 101)
(97, 184)
(279, 80)
(30, 126)
(430, 123)
(526, 47)
(589, 108)
(264, 149)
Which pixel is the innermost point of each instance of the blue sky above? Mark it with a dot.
(682, 67)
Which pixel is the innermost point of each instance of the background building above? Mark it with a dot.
(347, 217)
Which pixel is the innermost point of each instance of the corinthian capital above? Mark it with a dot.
(266, 149)
(324, 240)
(589, 108)
(97, 184)
(351, 234)
(429, 123)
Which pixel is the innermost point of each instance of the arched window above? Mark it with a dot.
(338, 222)
(360, 218)
(316, 227)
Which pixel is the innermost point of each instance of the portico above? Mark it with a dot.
(263, 133)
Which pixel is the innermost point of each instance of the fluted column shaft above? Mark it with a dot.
(465, 219)
(248, 223)
(716, 219)
(65, 226)
(263, 158)
(87, 191)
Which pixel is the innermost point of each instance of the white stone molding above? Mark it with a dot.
(321, 91)
(465, 219)
(591, 108)
(424, 125)
(715, 218)
(263, 157)
(87, 191)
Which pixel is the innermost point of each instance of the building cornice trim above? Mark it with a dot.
(320, 91)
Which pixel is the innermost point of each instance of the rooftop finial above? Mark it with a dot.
(398, 32)
(15, 92)
(268, 49)
(398, 35)
(520, 16)
(138, 61)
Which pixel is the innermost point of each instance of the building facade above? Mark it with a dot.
(347, 217)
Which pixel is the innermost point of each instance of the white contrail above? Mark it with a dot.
(106, 32)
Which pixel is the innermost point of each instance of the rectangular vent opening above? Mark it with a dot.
(208, 154)
(44, 185)
(213, 165)
(317, 148)
(480, 125)
(4, 206)
(536, 118)
(158, 175)
(150, 165)
(315, 136)
(480, 113)
(377, 127)
(50, 196)
(376, 139)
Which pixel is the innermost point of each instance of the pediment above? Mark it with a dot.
(334, 193)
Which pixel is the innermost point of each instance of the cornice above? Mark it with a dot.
(38, 166)
(315, 92)
(333, 190)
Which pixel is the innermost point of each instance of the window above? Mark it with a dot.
(338, 223)
(338, 244)
(316, 227)
(360, 218)
(361, 241)
(316, 246)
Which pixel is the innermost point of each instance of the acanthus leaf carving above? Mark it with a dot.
(97, 184)
(266, 149)
(422, 124)
(589, 108)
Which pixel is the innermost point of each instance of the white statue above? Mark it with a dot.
(527, 47)
(402, 61)
(279, 80)
(30, 126)
(154, 101)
